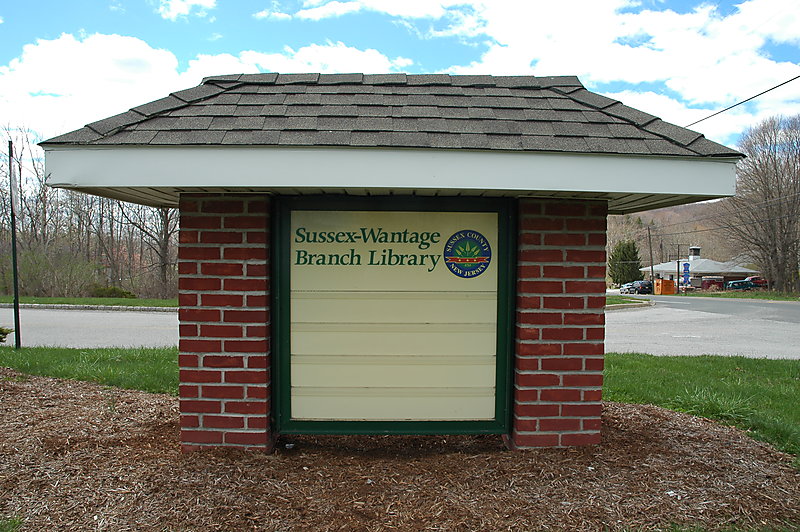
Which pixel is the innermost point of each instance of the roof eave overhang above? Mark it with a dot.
(157, 175)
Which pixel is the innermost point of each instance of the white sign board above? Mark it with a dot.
(393, 315)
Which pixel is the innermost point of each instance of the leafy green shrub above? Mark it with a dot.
(110, 291)
(4, 331)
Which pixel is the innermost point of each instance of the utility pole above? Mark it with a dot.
(14, 202)
(650, 245)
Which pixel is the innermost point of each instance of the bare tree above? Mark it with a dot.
(157, 229)
(71, 244)
(764, 216)
(48, 263)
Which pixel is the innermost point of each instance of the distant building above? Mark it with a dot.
(699, 268)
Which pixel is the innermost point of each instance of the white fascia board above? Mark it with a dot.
(374, 168)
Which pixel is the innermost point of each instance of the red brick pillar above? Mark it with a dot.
(224, 321)
(560, 323)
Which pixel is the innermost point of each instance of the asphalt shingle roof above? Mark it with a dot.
(438, 111)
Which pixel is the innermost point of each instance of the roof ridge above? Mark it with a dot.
(398, 78)
(176, 100)
(672, 133)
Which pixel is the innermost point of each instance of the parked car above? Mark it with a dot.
(626, 288)
(712, 283)
(757, 281)
(739, 285)
(642, 287)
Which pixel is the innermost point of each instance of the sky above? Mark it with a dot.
(64, 64)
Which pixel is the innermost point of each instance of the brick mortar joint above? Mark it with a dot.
(560, 217)
(232, 324)
(555, 432)
(567, 248)
(534, 403)
(540, 403)
(571, 264)
(561, 295)
(222, 245)
(563, 326)
(242, 293)
(255, 338)
(578, 418)
(247, 262)
(574, 311)
(560, 372)
(217, 290)
(217, 307)
(524, 231)
(564, 279)
(226, 429)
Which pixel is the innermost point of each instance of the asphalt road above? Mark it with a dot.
(783, 311)
(675, 326)
(92, 328)
(695, 326)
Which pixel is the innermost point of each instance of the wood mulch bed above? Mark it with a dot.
(79, 456)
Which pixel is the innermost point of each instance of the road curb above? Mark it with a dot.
(92, 307)
(624, 306)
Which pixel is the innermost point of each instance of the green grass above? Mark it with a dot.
(10, 524)
(619, 300)
(116, 301)
(756, 395)
(148, 369)
(747, 294)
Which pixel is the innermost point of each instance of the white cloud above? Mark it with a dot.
(327, 58)
(215, 37)
(212, 65)
(271, 15)
(324, 58)
(406, 8)
(59, 85)
(172, 9)
(1, 20)
(705, 58)
(776, 20)
(331, 9)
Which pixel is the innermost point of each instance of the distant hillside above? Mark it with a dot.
(673, 230)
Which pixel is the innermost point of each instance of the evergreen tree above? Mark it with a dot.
(624, 263)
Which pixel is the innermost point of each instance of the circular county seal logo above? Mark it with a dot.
(467, 253)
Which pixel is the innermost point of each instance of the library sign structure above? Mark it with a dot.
(410, 254)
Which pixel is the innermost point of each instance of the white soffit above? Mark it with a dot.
(156, 175)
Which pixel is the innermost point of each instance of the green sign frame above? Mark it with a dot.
(281, 305)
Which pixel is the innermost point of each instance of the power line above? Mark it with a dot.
(728, 226)
(744, 101)
(721, 215)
